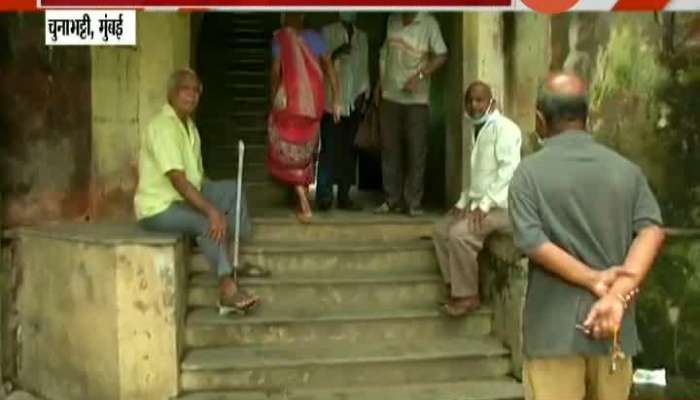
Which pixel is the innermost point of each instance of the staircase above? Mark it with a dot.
(234, 59)
(350, 312)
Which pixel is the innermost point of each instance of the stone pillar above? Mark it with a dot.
(128, 88)
(529, 61)
(101, 310)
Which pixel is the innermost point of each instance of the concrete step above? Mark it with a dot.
(338, 226)
(327, 258)
(267, 194)
(206, 328)
(370, 363)
(329, 293)
(495, 389)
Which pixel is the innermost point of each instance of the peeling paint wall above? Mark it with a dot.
(128, 89)
(71, 117)
(106, 320)
(44, 122)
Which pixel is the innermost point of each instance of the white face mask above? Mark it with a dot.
(539, 139)
(481, 118)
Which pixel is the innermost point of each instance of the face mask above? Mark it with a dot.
(483, 117)
(539, 139)
(349, 17)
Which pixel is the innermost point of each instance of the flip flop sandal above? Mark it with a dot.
(249, 270)
(456, 312)
(239, 303)
(303, 218)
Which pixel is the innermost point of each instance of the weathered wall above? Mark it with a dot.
(527, 49)
(669, 309)
(510, 52)
(71, 117)
(482, 59)
(644, 87)
(128, 88)
(44, 123)
(103, 321)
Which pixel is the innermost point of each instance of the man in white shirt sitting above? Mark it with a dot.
(482, 207)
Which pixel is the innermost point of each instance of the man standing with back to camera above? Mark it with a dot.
(591, 227)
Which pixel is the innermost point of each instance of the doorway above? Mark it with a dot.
(231, 52)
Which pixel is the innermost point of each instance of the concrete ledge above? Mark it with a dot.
(102, 233)
(101, 309)
(504, 282)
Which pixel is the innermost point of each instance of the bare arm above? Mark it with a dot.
(556, 260)
(434, 64)
(275, 75)
(640, 258)
(329, 72)
(605, 317)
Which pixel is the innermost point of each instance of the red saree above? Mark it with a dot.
(294, 121)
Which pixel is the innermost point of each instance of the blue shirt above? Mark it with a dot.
(312, 38)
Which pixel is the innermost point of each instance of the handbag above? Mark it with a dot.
(368, 134)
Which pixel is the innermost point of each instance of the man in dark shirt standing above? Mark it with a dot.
(589, 223)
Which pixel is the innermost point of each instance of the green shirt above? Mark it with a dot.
(166, 146)
(590, 201)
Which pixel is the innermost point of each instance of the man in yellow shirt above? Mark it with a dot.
(174, 196)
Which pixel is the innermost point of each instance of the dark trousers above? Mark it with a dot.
(404, 149)
(338, 157)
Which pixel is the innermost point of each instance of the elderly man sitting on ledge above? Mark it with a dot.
(173, 194)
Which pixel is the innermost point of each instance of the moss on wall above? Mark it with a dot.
(668, 312)
(644, 85)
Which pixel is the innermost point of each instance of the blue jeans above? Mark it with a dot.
(180, 217)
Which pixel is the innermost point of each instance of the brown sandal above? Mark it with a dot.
(303, 217)
(460, 310)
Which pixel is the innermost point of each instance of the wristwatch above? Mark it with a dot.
(421, 75)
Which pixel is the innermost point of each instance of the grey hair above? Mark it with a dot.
(562, 107)
(178, 75)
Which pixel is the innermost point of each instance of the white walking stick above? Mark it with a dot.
(239, 189)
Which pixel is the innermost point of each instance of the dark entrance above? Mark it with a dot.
(232, 55)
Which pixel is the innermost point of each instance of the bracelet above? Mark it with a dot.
(627, 298)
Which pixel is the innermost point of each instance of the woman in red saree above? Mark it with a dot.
(300, 64)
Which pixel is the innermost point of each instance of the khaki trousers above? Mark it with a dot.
(457, 245)
(576, 378)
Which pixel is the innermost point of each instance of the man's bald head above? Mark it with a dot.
(563, 101)
(478, 99)
(477, 86)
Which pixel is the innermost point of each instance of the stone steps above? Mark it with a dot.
(206, 328)
(269, 367)
(341, 226)
(328, 294)
(265, 194)
(496, 389)
(327, 258)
